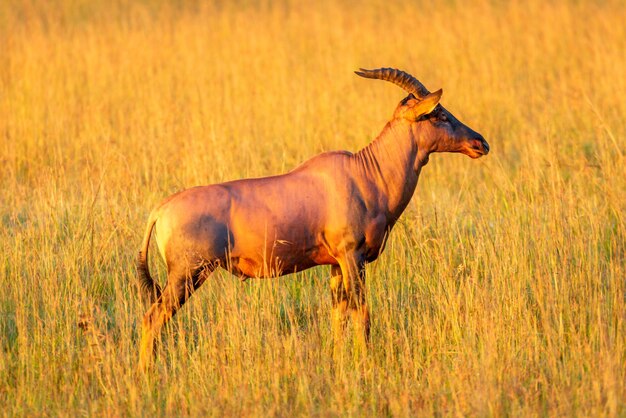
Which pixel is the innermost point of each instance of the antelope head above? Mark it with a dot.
(434, 129)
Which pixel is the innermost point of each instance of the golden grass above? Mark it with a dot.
(501, 292)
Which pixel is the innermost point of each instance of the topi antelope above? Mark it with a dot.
(337, 209)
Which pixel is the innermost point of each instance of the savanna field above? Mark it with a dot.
(502, 288)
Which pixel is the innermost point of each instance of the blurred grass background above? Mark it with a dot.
(502, 289)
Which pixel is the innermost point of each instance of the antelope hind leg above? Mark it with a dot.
(178, 289)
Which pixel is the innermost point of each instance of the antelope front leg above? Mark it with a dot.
(339, 308)
(353, 273)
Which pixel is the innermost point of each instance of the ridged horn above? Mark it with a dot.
(397, 77)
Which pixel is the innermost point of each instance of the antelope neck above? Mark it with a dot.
(391, 163)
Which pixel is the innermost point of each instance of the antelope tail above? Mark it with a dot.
(149, 288)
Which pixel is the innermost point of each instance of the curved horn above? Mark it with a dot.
(397, 77)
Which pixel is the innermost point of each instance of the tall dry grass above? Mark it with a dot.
(502, 289)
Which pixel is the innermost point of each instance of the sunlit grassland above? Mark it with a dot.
(501, 292)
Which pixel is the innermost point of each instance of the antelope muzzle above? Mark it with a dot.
(476, 146)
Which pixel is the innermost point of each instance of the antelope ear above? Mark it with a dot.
(426, 105)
